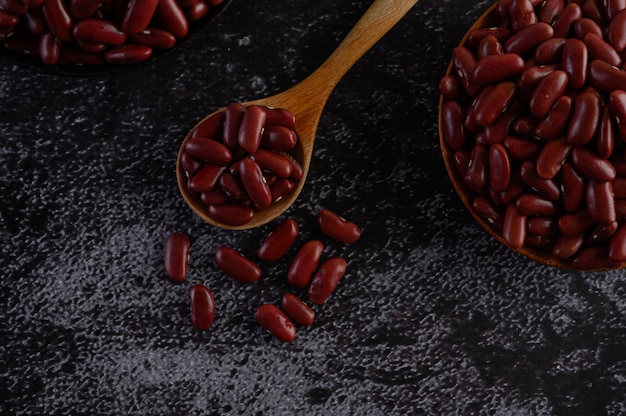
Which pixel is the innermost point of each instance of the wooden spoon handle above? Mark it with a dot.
(378, 19)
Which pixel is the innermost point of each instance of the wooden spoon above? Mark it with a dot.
(491, 19)
(306, 101)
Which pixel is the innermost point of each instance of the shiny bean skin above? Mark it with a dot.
(297, 309)
(550, 51)
(605, 76)
(598, 48)
(279, 117)
(546, 226)
(533, 204)
(464, 63)
(236, 265)
(591, 165)
(153, 38)
(177, 256)
(98, 31)
(594, 258)
(202, 307)
(531, 77)
(497, 131)
(49, 48)
(15, 7)
(576, 223)
(600, 201)
(514, 227)
(210, 126)
(215, 196)
(567, 245)
(555, 122)
(527, 39)
(545, 187)
(8, 20)
(601, 233)
(170, 15)
(550, 11)
(489, 212)
(83, 9)
(59, 19)
(231, 214)
(128, 54)
(613, 7)
(278, 241)
(281, 188)
(232, 186)
(574, 62)
(495, 103)
(278, 138)
(585, 26)
(490, 45)
(205, 179)
(337, 227)
(616, 32)
(254, 183)
(138, 15)
(496, 68)
(522, 148)
(573, 188)
(548, 90)
(276, 322)
(617, 244)
(617, 104)
(452, 124)
(499, 168)
(551, 157)
(209, 150)
(325, 279)
(563, 26)
(305, 263)
(272, 162)
(585, 118)
(251, 128)
(522, 14)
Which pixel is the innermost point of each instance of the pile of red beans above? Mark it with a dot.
(237, 161)
(307, 270)
(96, 32)
(534, 113)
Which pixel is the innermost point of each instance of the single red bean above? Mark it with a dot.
(215, 196)
(254, 183)
(476, 36)
(236, 265)
(138, 15)
(522, 14)
(464, 63)
(84, 9)
(488, 211)
(296, 168)
(616, 32)
(59, 19)
(550, 51)
(177, 256)
(281, 188)
(617, 244)
(584, 26)
(190, 164)
(617, 104)
(494, 104)
(171, 16)
(231, 214)
(601, 233)
(154, 38)
(490, 45)
(573, 186)
(278, 241)
(551, 157)
(600, 201)
(533, 204)
(251, 128)
(277, 137)
(598, 48)
(326, 279)
(128, 54)
(563, 26)
(585, 118)
(551, 9)
(8, 20)
(496, 68)
(594, 258)
(514, 227)
(526, 40)
(91, 47)
(497, 131)
(567, 245)
(531, 77)
(592, 165)
(574, 62)
(304, 263)
(279, 117)
(274, 320)
(548, 90)
(49, 48)
(337, 227)
(232, 121)
(98, 31)
(209, 150)
(522, 148)
(197, 9)
(232, 186)
(452, 124)
(547, 226)
(210, 126)
(499, 168)
(272, 162)
(515, 189)
(461, 161)
(202, 307)
(545, 187)
(297, 309)
(613, 7)
(591, 10)
(607, 132)
(525, 126)
(605, 76)
(555, 122)
(205, 179)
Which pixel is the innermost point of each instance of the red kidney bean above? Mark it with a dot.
(138, 15)
(575, 223)
(251, 128)
(83, 9)
(278, 138)
(231, 214)
(272, 162)
(545, 187)
(555, 122)
(278, 241)
(153, 38)
(573, 186)
(274, 320)
(522, 14)
(296, 169)
(98, 31)
(210, 126)
(600, 201)
(128, 54)
(497, 131)
(599, 49)
(202, 307)
(190, 164)
(616, 32)
(197, 10)
(531, 77)
(205, 179)
(594, 258)
(452, 124)
(550, 51)
(232, 186)
(215, 196)
(514, 227)
(527, 39)
(551, 157)
(563, 26)
(488, 211)
(592, 165)
(548, 90)
(546, 226)
(601, 233)
(522, 148)
(209, 150)
(584, 26)
(533, 204)
(8, 20)
(177, 256)
(461, 161)
(499, 168)
(617, 104)
(605, 76)
(281, 188)
(550, 11)
(236, 265)
(337, 227)
(495, 102)
(233, 116)
(490, 45)
(304, 263)
(574, 62)
(496, 68)
(49, 48)
(59, 19)
(476, 36)
(71, 54)
(617, 244)
(91, 47)
(326, 279)
(297, 309)
(585, 118)
(279, 117)
(567, 245)
(515, 189)
(613, 7)
(172, 17)
(14, 7)
(464, 63)
(254, 183)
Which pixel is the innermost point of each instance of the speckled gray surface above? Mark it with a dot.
(432, 318)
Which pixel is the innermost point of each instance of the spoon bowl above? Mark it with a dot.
(306, 101)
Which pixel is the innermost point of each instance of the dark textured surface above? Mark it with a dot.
(433, 316)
